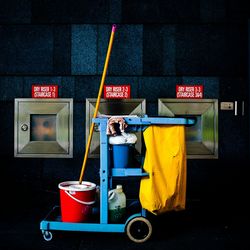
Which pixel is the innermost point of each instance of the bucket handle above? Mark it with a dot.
(81, 202)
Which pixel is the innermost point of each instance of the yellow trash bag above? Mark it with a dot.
(165, 161)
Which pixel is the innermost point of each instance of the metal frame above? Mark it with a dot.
(53, 222)
(207, 110)
(62, 147)
(123, 108)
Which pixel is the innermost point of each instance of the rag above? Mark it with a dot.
(111, 125)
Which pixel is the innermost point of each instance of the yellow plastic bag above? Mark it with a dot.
(165, 161)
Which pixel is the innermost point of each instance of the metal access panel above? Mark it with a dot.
(201, 139)
(112, 107)
(43, 128)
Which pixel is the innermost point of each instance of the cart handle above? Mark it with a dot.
(81, 202)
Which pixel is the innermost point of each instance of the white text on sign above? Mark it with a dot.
(44, 91)
(117, 91)
(189, 91)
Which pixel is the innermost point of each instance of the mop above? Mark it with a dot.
(98, 101)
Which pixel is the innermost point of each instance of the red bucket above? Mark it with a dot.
(76, 200)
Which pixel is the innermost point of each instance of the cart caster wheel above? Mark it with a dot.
(47, 236)
(139, 229)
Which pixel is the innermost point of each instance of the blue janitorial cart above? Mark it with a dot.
(137, 226)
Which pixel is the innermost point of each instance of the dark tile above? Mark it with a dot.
(11, 87)
(103, 39)
(153, 50)
(248, 28)
(160, 11)
(84, 49)
(26, 50)
(159, 50)
(86, 87)
(192, 49)
(62, 50)
(217, 54)
(56, 171)
(227, 50)
(126, 54)
(115, 10)
(237, 11)
(45, 11)
(163, 50)
(92, 167)
(15, 12)
(213, 10)
(7, 131)
(233, 88)
(152, 88)
(169, 50)
(59, 170)
(67, 11)
(79, 129)
(232, 137)
(67, 87)
(211, 50)
(151, 109)
(89, 11)
(211, 85)
(28, 171)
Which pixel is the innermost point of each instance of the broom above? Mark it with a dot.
(98, 101)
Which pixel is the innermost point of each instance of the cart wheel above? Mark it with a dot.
(47, 235)
(139, 229)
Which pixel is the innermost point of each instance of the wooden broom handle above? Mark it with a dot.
(98, 101)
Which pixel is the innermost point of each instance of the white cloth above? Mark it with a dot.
(111, 125)
(124, 138)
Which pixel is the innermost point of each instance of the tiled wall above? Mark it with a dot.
(158, 44)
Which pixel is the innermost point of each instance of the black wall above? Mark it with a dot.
(158, 44)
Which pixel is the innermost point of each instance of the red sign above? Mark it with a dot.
(44, 91)
(189, 91)
(117, 91)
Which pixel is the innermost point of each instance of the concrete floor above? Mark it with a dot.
(195, 228)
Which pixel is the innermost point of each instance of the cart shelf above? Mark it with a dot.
(126, 172)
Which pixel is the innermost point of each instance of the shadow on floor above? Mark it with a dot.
(198, 227)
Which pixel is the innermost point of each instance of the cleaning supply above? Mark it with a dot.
(117, 204)
(97, 102)
(121, 148)
(111, 125)
(124, 138)
(165, 161)
(76, 200)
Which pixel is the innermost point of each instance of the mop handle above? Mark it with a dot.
(98, 101)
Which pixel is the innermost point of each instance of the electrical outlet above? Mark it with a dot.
(226, 105)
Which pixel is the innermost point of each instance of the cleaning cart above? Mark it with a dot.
(137, 226)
